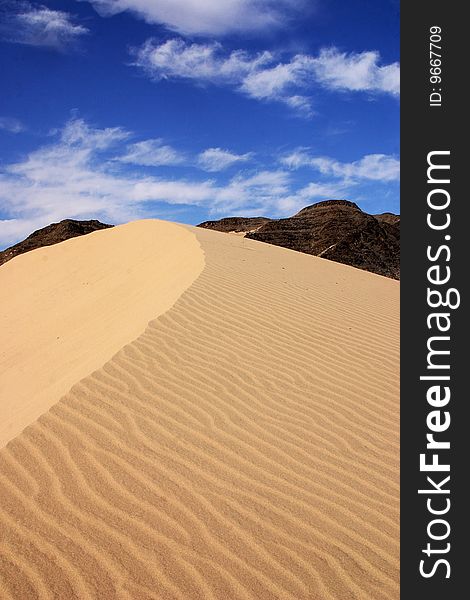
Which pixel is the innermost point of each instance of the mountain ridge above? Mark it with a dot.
(337, 230)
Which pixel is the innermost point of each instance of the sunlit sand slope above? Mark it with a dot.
(244, 447)
(67, 309)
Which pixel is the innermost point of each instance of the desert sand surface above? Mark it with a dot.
(66, 309)
(244, 446)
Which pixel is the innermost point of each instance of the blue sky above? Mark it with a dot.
(195, 109)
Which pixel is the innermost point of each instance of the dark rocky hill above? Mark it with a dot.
(52, 234)
(235, 224)
(337, 230)
(388, 218)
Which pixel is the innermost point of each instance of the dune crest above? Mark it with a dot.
(244, 447)
(90, 297)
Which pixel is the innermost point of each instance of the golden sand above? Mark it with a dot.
(244, 446)
(67, 309)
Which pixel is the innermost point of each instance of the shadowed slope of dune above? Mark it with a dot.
(245, 446)
(67, 309)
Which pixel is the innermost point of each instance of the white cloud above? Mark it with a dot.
(296, 159)
(11, 125)
(375, 167)
(203, 62)
(271, 82)
(254, 75)
(78, 176)
(78, 133)
(279, 82)
(262, 76)
(81, 175)
(36, 25)
(261, 192)
(151, 153)
(64, 163)
(217, 159)
(207, 17)
(356, 72)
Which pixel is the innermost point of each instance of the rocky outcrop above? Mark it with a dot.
(236, 224)
(52, 234)
(388, 218)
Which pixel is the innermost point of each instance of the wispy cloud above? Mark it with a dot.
(375, 167)
(37, 25)
(262, 76)
(152, 153)
(280, 82)
(209, 63)
(361, 71)
(217, 159)
(11, 125)
(81, 174)
(206, 17)
(61, 179)
(78, 176)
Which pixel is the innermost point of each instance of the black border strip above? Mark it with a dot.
(425, 129)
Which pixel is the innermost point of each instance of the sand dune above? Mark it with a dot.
(67, 309)
(245, 446)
